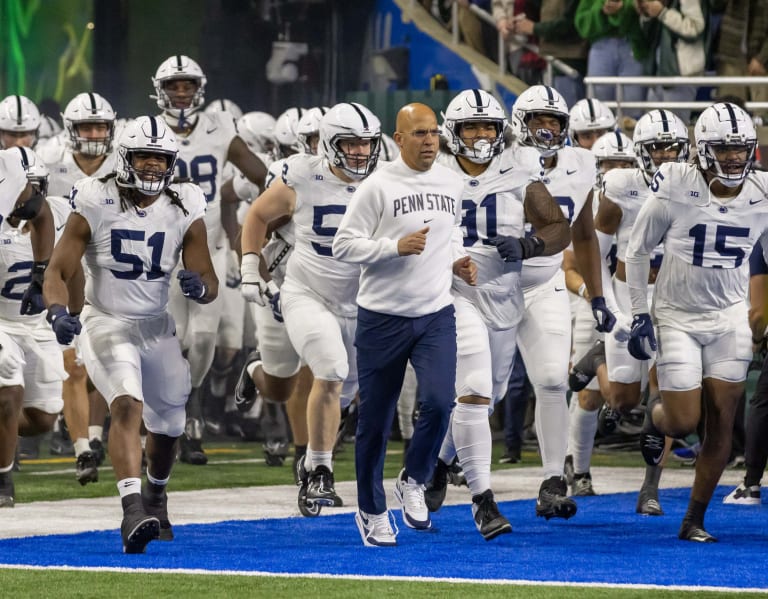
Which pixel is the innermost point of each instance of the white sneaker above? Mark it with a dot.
(411, 498)
(743, 495)
(377, 529)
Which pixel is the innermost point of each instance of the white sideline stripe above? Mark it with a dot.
(508, 582)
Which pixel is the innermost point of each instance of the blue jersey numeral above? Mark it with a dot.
(197, 171)
(722, 232)
(469, 220)
(14, 287)
(155, 242)
(319, 215)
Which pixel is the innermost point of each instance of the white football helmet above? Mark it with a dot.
(148, 134)
(614, 146)
(19, 114)
(37, 171)
(725, 126)
(350, 120)
(49, 127)
(309, 125)
(659, 128)
(225, 105)
(89, 108)
(474, 105)
(179, 67)
(389, 149)
(589, 114)
(257, 130)
(287, 133)
(540, 100)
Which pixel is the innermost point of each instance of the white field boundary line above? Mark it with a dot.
(428, 579)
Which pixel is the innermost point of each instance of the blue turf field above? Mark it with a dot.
(606, 542)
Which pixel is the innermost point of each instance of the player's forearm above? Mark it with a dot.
(55, 288)
(587, 253)
(254, 232)
(76, 291)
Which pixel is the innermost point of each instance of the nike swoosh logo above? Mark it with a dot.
(558, 289)
(218, 247)
(211, 130)
(567, 172)
(3, 179)
(753, 202)
(505, 170)
(428, 220)
(60, 227)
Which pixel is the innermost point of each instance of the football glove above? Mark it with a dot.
(64, 324)
(642, 339)
(603, 316)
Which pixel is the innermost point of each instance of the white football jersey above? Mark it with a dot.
(202, 155)
(321, 201)
(66, 172)
(491, 205)
(628, 189)
(133, 252)
(707, 241)
(569, 182)
(16, 261)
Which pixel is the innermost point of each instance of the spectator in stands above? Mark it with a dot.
(557, 35)
(473, 33)
(676, 29)
(618, 45)
(523, 63)
(743, 46)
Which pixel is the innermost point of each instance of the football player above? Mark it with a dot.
(19, 122)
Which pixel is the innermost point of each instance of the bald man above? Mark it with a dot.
(402, 226)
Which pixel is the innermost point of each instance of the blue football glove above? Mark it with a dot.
(64, 324)
(514, 249)
(191, 284)
(603, 316)
(642, 339)
(32, 301)
(277, 309)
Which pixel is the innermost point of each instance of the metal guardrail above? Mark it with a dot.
(708, 81)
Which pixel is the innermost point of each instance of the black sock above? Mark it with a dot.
(752, 477)
(652, 476)
(695, 512)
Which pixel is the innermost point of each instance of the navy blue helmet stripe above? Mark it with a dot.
(179, 66)
(153, 127)
(619, 141)
(550, 95)
(18, 110)
(591, 106)
(93, 102)
(664, 120)
(360, 112)
(732, 117)
(478, 100)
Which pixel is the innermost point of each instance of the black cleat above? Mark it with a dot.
(488, 519)
(275, 452)
(582, 485)
(607, 420)
(137, 530)
(648, 502)
(553, 501)
(97, 447)
(586, 368)
(191, 451)
(245, 389)
(7, 490)
(157, 505)
(651, 440)
(87, 468)
(694, 532)
(320, 488)
(434, 494)
(511, 456)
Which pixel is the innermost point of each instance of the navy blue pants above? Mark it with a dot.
(384, 345)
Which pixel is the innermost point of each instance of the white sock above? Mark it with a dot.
(582, 438)
(6, 468)
(156, 481)
(128, 486)
(318, 458)
(95, 432)
(81, 445)
(251, 367)
(552, 428)
(448, 449)
(472, 436)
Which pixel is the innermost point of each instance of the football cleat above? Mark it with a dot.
(157, 505)
(275, 452)
(552, 501)
(87, 468)
(7, 491)
(648, 502)
(651, 440)
(245, 389)
(694, 532)
(320, 488)
(488, 519)
(607, 420)
(137, 530)
(743, 495)
(97, 447)
(191, 451)
(434, 494)
(582, 485)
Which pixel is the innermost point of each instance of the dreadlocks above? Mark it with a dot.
(129, 195)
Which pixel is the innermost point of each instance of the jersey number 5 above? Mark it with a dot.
(155, 242)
